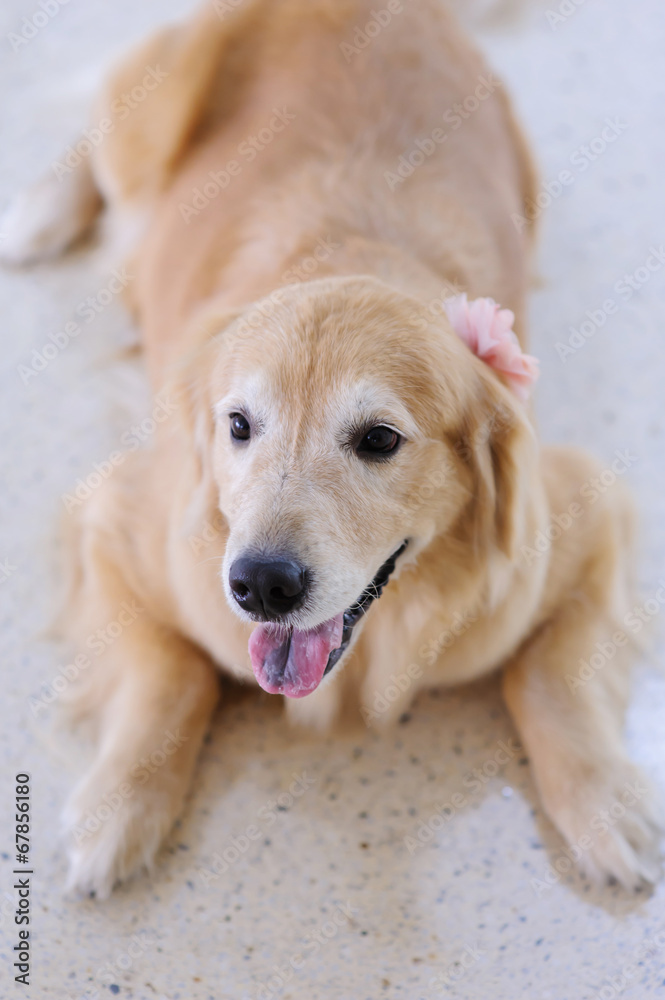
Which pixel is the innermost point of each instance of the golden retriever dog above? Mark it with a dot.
(336, 481)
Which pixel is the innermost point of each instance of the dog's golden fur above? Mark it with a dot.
(225, 317)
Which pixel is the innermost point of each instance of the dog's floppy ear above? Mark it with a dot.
(499, 447)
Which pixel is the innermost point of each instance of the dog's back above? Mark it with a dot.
(281, 123)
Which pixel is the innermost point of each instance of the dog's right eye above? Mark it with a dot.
(240, 429)
(378, 443)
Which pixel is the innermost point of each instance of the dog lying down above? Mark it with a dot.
(319, 188)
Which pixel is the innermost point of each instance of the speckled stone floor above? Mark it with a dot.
(329, 881)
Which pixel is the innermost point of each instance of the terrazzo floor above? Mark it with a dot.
(331, 882)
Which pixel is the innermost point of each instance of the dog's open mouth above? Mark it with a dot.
(292, 662)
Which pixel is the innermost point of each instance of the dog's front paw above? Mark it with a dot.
(114, 829)
(613, 824)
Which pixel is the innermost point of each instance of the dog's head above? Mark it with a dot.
(345, 429)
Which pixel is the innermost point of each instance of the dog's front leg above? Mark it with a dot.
(151, 699)
(571, 724)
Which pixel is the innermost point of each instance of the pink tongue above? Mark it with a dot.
(293, 663)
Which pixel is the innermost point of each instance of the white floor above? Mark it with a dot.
(467, 896)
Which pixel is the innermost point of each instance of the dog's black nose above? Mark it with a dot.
(268, 588)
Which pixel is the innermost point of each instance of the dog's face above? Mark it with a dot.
(343, 444)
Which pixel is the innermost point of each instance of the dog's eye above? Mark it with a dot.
(379, 442)
(240, 429)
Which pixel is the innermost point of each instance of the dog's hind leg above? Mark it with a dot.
(50, 215)
(142, 123)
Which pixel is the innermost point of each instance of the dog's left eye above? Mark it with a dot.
(240, 429)
(379, 442)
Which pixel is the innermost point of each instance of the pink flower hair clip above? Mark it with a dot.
(488, 331)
